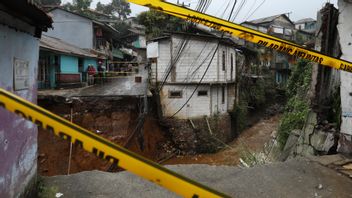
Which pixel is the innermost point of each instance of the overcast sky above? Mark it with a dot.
(251, 9)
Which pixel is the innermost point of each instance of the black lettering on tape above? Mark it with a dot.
(78, 143)
(53, 123)
(346, 67)
(64, 136)
(321, 60)
(113, 160)
(39, 123)
(263, 43)
(20, 113)
(98, 153)
(50, 129)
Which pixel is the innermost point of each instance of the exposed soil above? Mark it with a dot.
(252, 139)
(116, 120)
(110, 122)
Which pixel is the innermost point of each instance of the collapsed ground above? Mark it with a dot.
(116, 119)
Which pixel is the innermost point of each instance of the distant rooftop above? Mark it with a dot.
(305, 20)
(267, 19)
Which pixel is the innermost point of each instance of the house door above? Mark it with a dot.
(43, 72)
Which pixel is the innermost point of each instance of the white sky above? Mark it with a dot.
(298, 8)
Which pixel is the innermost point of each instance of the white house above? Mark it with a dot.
(191, 54)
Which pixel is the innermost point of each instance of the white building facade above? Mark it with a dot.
(179, 62)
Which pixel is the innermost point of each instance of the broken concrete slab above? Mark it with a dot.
(309, 127)
(305, 150)
(290, 146)
(322, 141)
(294, 178)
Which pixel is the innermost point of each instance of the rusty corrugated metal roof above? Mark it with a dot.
(57, 45)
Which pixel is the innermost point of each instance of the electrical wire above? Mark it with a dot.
(255, 10)
(202, 6)
(250, 9)
(238, 10)
(206, 70)
(226, 7)
(173, 62)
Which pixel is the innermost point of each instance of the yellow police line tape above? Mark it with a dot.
(105, 149)
(245, 33)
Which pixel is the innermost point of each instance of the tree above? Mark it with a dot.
(156, 23)
(79, 6)
(117, 8)
(50, 2)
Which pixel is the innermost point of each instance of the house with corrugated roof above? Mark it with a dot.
(84, 32)
(279, 26)
(62, 64)
(306, 24)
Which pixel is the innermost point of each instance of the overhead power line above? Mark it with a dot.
(206, 70)
(255, 10)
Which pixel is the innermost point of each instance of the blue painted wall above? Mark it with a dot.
(89, 61)
(69, 64)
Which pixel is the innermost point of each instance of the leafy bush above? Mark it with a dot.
(297, 107)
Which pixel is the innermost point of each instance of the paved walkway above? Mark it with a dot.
(119, 86)
(296, 178)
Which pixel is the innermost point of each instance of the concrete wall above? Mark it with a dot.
(194, 60)
(18, 138)
(212, 103)
(72, 28)
(69, 64)
(345, 29)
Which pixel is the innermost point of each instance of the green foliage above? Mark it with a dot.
(44, 191)
(157, 22)
(249, 158)
(300, 79)
(78, 6)
(297, 107)
(239, 115)
(257, 92)
(50, 2)
(117, 8)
